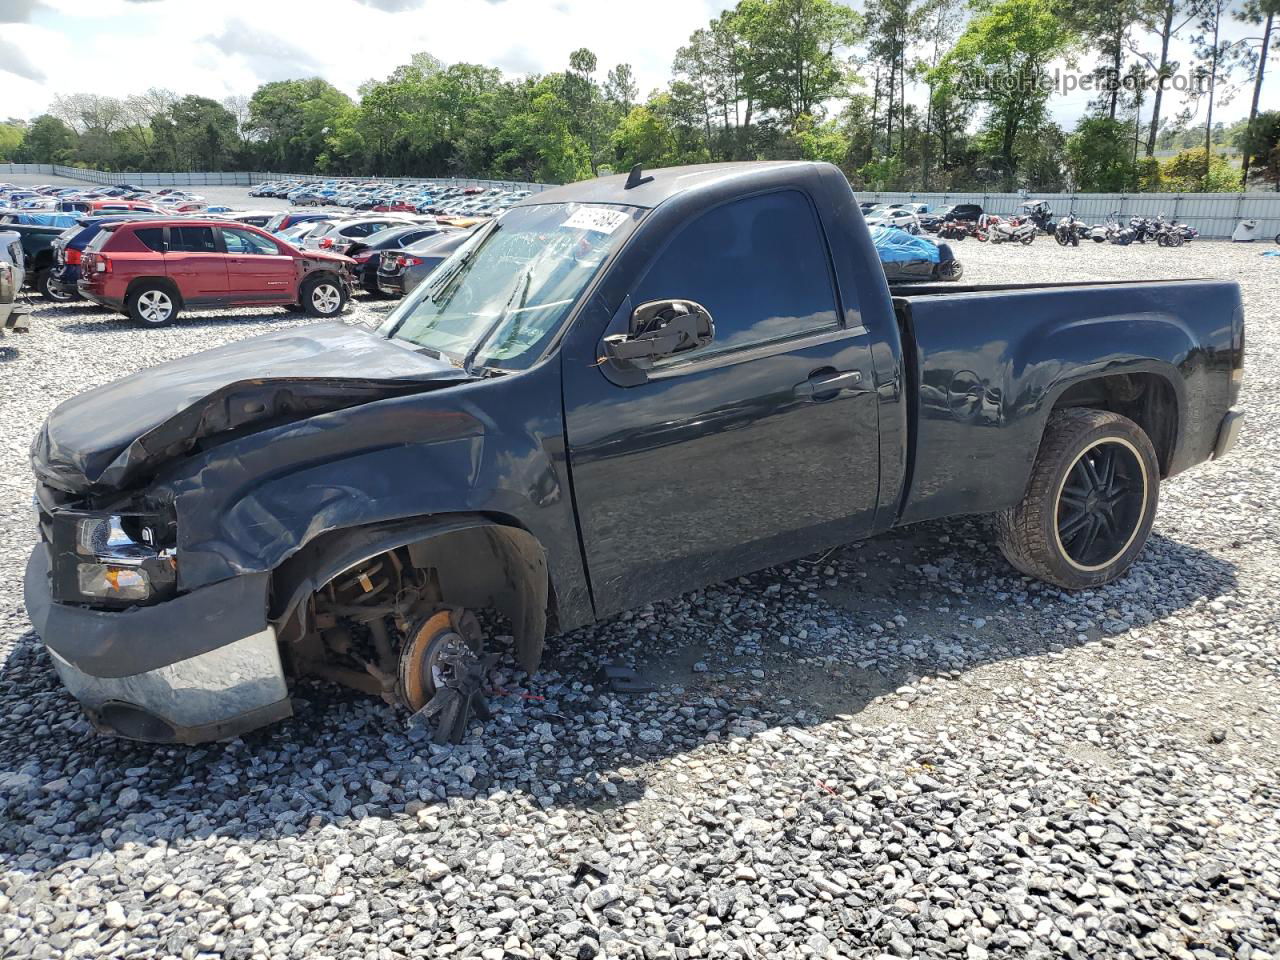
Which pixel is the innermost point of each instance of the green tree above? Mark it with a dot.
(1259, 13)
(201, 133)
(1185, 173)
(11, 137)
(1162, 21)
(643, 136)
(48, 140)
(1000, 62)
(1260, 143)
(293, 119)
(795, 53)
(1099, 156)
(823, 141)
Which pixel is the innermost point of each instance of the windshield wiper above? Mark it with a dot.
(444, 283)
(522, 287)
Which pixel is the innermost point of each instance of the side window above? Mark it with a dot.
(151, 237)
(192, 240)
(758, 265)
(248, 244)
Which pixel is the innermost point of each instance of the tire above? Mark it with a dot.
(1075, 239)
(47, 292)
(152, 305)
(1070, 538)
(323, 296)
(951, 270)
(1061, 238)
(1175, 239)
(1162, 240)
(1027, 239)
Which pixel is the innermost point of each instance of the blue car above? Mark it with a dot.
(67, 250)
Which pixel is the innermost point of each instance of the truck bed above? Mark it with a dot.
(1002, 356)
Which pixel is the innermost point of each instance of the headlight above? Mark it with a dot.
(113, 560)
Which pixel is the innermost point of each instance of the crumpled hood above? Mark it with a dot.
(113, 436)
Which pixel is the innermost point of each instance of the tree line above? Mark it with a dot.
(767, 79)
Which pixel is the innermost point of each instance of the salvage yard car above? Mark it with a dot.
(151, 270)
(621, 390)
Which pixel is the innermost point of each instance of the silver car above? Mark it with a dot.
(12, 276)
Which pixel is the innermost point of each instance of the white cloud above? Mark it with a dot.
(120, 47)
(13, 60)
(216, 49)
(18, 11)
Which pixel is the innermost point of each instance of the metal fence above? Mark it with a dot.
(241, 178)
(1213, 214)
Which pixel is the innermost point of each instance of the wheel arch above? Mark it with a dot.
(158, 281)
(1148, 397)
(482, 560)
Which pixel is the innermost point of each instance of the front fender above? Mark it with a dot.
(491, 448)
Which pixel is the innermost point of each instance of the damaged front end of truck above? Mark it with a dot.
(210, 531)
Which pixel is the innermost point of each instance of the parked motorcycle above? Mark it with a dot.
(1112, 231)
(1015, 230)
(1144, 228)
(1069, 230)
(960, 229)
(1167, 234)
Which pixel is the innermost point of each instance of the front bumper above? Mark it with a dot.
(203, 666)
(1228, 433)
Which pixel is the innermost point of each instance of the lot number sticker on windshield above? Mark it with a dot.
(599, 219)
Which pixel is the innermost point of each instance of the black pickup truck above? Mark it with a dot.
(618, 391)
(38, 252)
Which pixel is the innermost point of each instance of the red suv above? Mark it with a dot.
(152, 269)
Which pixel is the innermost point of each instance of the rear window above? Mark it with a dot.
(100, 241)
(152, 237)
(272, 225)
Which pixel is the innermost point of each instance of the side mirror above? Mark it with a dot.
(660, 329)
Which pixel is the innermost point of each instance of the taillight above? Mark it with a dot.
(72, 255)
(102, 264)
(408, 261)
(326, 242)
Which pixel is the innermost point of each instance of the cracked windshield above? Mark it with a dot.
(503, 294)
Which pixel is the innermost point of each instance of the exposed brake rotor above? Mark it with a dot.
(441, 673)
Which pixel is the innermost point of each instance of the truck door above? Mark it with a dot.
(758, 447)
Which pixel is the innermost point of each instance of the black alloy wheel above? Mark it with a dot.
(1101, 504)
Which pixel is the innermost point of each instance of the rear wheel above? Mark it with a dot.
(1027, 238)
(323, 297)
(46, 288)
(152, 305)
(1090, 504)
(950, 270)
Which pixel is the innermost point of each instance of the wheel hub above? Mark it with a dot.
(1101, 503)
(441, 673)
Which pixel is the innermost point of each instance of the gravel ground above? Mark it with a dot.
(898, 749)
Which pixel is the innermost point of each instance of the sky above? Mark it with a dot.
(216, 48)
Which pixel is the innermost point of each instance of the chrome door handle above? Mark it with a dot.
(825, 385)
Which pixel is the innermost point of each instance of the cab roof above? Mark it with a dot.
(662, 183)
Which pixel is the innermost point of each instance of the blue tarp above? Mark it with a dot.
(898, 246)
(49, 219)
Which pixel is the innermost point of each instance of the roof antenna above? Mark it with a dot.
(636, 177)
